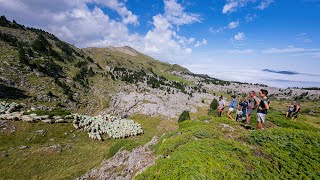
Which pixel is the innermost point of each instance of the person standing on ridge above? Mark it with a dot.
(221, 105)
(262, 108)
(244, 107)
(232, 105)
(253, 103)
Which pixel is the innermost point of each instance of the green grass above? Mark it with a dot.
(295, 154)
(75, 155)
(39, 162)
(282, 121)
(204, 149)
(175, 78)
(54, 112)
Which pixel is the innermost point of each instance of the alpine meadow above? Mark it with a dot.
(165, 89)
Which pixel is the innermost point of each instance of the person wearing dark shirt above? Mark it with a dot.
(262, 108)
(244, 106)
(291, 109)
(296, 111)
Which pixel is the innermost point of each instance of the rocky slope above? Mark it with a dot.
(125, 164)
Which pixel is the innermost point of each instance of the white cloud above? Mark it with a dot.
(283, 50)
(250, 17)
(234, 5)
(239, 36)
(162, 39)
(201, 43)
(191, 40)
(244, 73)
(127, 16)
(218, 30)
(175, 14)
(303, 37)
(233, 25)
(244, 51)
(289, 49)
(264, 4)
(75, 23)
(231, 6)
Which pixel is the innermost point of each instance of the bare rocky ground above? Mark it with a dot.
(130, 100)
(124, 164)
(5, 126)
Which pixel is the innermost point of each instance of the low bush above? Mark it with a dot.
(185, 115)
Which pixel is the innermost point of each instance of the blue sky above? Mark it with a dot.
(229, 39)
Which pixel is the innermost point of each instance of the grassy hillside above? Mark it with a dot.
(48, 71)
(43, 70)
(128, 58)
(58, 151)
(38, 69)
(209, 147)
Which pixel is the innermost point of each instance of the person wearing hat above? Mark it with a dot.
(232, 106)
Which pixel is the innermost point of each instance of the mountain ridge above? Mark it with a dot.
(281, 72)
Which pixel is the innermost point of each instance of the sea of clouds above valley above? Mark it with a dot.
(244, 74)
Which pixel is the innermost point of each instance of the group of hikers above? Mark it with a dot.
(247, 106)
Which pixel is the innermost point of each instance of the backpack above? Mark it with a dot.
(252, 103)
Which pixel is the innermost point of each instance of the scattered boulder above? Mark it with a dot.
(69, 117)
(23, 147)
(7, 108)
(57, 117)
(49, 121)
(5, 126)
(41, 132)
(60, 121)
(27, 118)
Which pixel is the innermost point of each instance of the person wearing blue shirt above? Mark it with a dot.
(232, 106)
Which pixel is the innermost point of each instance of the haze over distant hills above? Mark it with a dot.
(280, 72)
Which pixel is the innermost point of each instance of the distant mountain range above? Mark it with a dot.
(281, 72)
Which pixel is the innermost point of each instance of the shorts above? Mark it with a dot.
(231, 109)
(220, 110)
(261, 117)
(250, 111)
